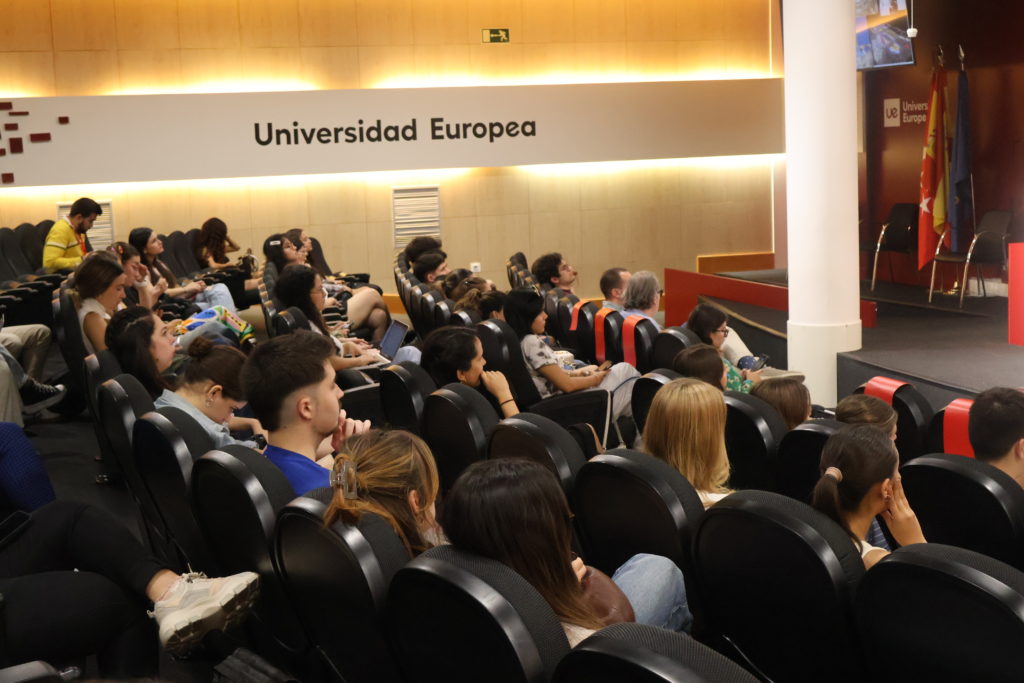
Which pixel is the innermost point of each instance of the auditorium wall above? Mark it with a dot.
(995, 65)
(638, 214)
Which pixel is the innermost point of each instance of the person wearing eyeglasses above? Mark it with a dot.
(643, 296)
(711, 326)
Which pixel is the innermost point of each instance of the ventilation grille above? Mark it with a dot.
(416, 212)
(101, 234)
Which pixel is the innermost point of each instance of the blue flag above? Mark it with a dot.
(960, 191)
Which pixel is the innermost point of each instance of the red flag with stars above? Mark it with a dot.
(934, 173)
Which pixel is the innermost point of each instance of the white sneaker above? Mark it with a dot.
(196, 605)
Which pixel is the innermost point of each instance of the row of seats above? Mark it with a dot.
(25, 294)
(426, 306)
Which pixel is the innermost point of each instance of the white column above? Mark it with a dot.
(821, 188)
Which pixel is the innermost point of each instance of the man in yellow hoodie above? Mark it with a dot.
(65, 243)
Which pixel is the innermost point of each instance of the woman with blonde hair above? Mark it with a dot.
(391, 474)
(686, 428)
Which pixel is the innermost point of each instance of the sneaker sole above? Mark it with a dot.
(188, 630)
(237, 603)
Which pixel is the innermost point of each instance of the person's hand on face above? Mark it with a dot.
(346, 428)
(496, 385)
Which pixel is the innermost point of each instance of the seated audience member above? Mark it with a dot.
(643, 296)
(98, 291)
(76, 583)
(421, 245)
(551, 270)
(788, 396)
(210, 389)
(686, 428)
(703, 362)
(454, 354)
(150, 246)
(864, 409)
(860, 480)
(391, 474)
(996, 430)
(431, 267)
(524, 312)
(138, 290)
(282, 252)
(300, 286)
(289, 381)
(613, 287)
(213, 246)
(24, 348)
(513, 510)
(66, 244)
(452, 280)
(302, 242)
(710, 326)
(489, 304)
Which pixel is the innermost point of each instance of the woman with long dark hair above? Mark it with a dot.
(150, 246)
(514, 511)
(213, 246)
(524, 312)
(860, 480)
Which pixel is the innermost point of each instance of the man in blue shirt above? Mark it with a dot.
(290, 385)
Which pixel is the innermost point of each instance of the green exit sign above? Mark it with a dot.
(495, 35)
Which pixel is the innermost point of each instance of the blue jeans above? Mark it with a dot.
(655, 588)
(216, 294)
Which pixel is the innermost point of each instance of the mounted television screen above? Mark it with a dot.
(882, 34)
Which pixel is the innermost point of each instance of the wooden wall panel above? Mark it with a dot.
(667, 215)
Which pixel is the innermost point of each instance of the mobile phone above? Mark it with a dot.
(759, 363)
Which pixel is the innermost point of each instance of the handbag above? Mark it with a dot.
(609, 604)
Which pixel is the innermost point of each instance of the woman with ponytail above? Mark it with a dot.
(860, 480)
(391, 474)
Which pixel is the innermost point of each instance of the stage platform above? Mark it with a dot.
(945, 351)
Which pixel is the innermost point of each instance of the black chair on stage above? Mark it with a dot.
(898, 235)
(967, 503)
(646, 654)
(799, 458)
(404, 388)
(337, 578)
(456, 616)
(628, 502)
(904, 607)
(166, 443)
(236, 496)
(537, 438)
(913, 412)
(777, 580)
(503, 353)
(987, 247)
(644, 389)
(457, 421)
(638, 335)
(669, 342)
(753, 431)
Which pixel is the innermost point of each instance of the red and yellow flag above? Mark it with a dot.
(934, 172)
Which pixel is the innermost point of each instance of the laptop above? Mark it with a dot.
(392, 340)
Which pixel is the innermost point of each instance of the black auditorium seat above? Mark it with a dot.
(644, 390)
(628, 502)
(236, 495)
(70, 338)
(613, 322)
(638, 335)
(932, 612)
(443, 312)
(404, 388)
(581, 329)
(799, 458)
(753, 430)
(639, 653)
(967, 503)
(503, 353)
(10, 248)
(912, 409)
(337, 579)
(669, 342)
(289, 320)
(777, 580)
(537, 438)
(947, 431)
(456, 616)
(457, 421)
(363, 403)
(166, 443)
